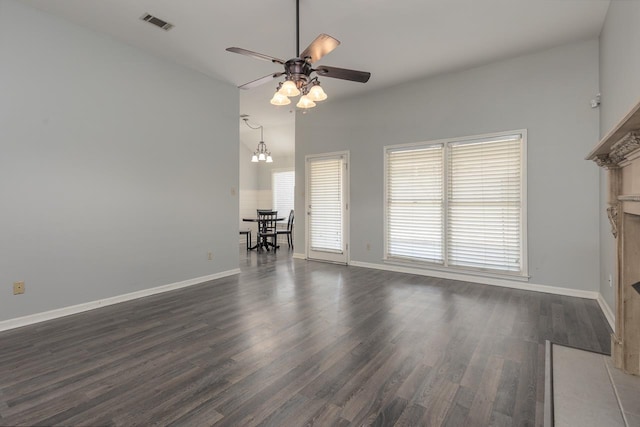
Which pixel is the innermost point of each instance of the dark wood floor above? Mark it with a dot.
(295, 343)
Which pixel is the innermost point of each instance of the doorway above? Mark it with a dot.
(327, 204)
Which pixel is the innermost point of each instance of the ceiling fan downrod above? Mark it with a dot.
(298, 28)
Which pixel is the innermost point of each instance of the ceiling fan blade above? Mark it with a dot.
(254, 55)
(318, 48)
(260, 81)
(343, 73)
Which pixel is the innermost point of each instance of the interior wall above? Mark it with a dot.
(620, 91)
(546, 93)
(118, 172)
(248, 190)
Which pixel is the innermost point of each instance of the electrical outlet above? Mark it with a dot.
(210, 256)
(368, 246)
(18, 288)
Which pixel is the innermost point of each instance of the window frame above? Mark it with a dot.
(273, 187)
(519, 275)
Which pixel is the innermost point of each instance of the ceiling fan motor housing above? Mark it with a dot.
(298, 70)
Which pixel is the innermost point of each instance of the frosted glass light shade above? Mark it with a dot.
(280, 99)
(254, 158)
(261, 157)
(317, 94)
(289, 89)
(269, 158)
(305, 102)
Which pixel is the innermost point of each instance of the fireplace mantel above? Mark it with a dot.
(629, 124)
(619, 153)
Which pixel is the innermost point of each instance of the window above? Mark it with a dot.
(283, 189)
(458, 203)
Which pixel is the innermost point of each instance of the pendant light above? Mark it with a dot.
(262, 154)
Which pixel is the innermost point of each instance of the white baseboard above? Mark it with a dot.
(483, 280)
(299, 256)
(608, 313)
(79, 308)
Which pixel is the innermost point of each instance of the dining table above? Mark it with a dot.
(264, 243)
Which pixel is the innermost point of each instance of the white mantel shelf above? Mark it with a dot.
(630, 123)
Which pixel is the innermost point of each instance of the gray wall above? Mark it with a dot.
(265, 170)
(248, 199)
(118, 170)
(620, 89)
(547, 93)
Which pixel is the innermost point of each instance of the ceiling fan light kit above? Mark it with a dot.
(316, 93)
(289, 88)
(298, 71)
(305, 102)
(280, 99)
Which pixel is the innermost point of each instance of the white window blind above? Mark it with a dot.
(414, 203)
(484, 204)
(283, 190)
(325, 188)
(457, 203)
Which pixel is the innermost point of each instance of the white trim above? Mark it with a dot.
(297, 255)
(444, 229)
(474, 272)
(79, 308)
(524, 199)
(482, 280)
(455, 139)
(606, 310)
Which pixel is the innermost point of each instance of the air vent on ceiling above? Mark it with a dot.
(156, 21)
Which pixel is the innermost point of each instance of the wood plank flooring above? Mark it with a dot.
(296, 343)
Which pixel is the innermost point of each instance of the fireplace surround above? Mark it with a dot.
(619, 153)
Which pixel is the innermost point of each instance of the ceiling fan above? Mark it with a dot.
(298, 70)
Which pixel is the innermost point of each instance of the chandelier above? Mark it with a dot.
(262, 154)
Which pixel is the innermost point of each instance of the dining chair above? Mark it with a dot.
(267, 229)
(289, 230)
(247, 232)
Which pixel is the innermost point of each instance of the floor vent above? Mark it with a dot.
(157, 22)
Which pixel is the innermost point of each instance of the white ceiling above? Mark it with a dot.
(395, 40)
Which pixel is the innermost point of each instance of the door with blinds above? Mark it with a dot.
(326, 206)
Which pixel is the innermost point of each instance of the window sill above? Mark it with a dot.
(457, 270)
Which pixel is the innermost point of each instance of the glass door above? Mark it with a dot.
(326, 205)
